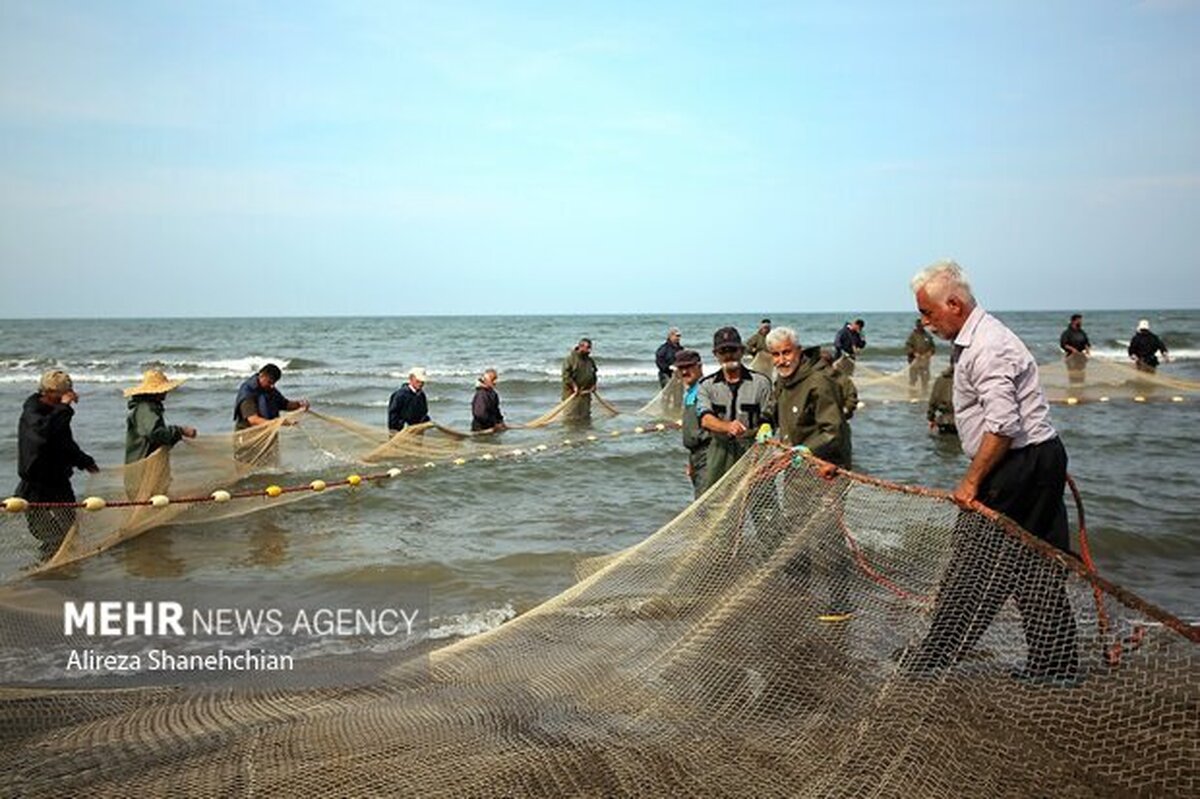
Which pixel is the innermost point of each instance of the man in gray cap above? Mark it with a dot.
(695, 437)
(664, 357)
(731, 404)
(46, 455)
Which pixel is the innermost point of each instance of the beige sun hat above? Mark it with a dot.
(154, 382)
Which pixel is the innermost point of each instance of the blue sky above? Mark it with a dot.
(304, 158)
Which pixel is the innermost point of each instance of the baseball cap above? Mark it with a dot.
(727, 337)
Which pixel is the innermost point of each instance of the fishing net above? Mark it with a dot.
(763, 363)
(760, 644)
(1099, 380)
(902, 385)
(667, 404)
(247, 462)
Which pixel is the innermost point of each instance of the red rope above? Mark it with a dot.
(1112, 653)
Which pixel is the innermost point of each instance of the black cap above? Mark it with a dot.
(686, 358)
(727, 337)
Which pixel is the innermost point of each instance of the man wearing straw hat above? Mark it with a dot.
(46, 455)
(146, 432)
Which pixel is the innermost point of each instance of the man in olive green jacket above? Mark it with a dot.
(808, 406)
(579, 378)
(919, 349)
(146, 432)
(941, 404)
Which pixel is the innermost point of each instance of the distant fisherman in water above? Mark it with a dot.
(1076, 349)
(919, 349)
(485, 405)
(731, 404)
(1144, 348)
(146, 432)
(579, 380)
(46, 455)
(259, 402)
(695, 437)
(941, 404)
(408, 404)
(758, 342)
(849, 341)
(664, 356)
(1019, 468)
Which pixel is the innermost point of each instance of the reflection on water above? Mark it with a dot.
(150, 555)
(268, 544)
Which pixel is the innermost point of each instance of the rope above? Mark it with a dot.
(1113, 652)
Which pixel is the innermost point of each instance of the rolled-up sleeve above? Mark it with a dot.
(997, 387)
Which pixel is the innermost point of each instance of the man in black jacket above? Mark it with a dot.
(46, 455)
(1144, 348)
(849, 340)
(485, 405)
(664, 356)
(408, 404)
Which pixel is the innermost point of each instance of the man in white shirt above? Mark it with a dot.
(1018, 467)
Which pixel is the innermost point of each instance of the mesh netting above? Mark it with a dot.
(1098, 381)
(246, 462)
(760, 644)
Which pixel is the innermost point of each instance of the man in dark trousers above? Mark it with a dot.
(407, 404)
(1076, 348)
(1019, 468)
(664, 356)
(46, 455)
(485, 405)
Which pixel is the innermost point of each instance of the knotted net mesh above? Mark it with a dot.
(1084, 380)
(760, 644)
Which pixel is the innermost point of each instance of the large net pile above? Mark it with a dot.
(713, 659)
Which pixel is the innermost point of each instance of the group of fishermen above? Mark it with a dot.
(1017, 461)
(1144, 348)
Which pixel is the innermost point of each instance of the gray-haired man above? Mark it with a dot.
(1018, 467)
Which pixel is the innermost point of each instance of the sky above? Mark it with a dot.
(345, 158)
